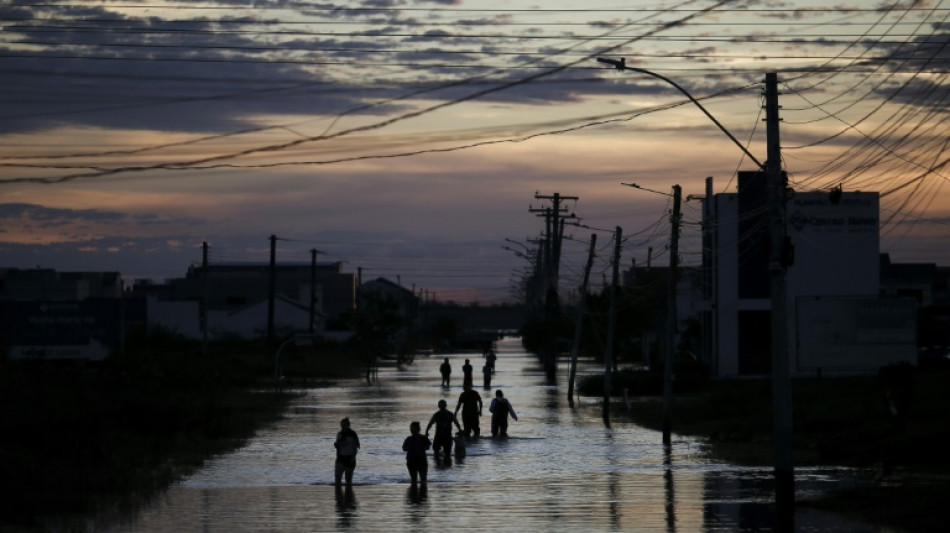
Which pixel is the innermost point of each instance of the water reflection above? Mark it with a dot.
(345, 507)
(668, 488)
(560, 470)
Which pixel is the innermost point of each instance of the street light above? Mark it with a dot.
(672, 318)
(621, 64)
(776, 185)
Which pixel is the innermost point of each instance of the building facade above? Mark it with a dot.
(837, 322)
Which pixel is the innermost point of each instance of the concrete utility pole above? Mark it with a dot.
(579, 327)
(671, 323)
(779, 259)
(611, 321)
(272, 289)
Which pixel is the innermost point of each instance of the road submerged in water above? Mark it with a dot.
(560, 470)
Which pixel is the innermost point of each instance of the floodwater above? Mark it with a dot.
(560, 470)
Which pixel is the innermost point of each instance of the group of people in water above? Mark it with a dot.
(487, 370)
(417, 444)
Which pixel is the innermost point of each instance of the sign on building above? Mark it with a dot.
(76, 330)
(855, 334)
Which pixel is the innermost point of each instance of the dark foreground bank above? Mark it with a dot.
(99, 440)
(894, 426)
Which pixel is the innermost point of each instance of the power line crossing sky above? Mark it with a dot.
(409, 138)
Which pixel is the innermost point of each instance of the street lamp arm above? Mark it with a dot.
(621, 64)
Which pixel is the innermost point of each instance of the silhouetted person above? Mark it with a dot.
(486, 376)
(467, 373)
(500, 408)
(415, 447)
(446, 370)
(442, 420)
(347, 444)
(491, 359)
(470, 402)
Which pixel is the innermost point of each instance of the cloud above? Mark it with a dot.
(36, 223)
(171, 71)
(47, 215)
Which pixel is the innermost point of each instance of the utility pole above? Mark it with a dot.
(272, 289)
(204, 298)
(313, 287)
(611, 321)
(359, 287)
(779, 259)
(671, 323)
(710, 293)
(555, 229)
(579, 327)
(554, 232)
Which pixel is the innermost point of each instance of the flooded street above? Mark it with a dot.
(561, 470)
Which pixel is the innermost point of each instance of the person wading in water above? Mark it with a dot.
(443, 420)
(470, 402)
(500, 408)
(347, 444)
(415, 447)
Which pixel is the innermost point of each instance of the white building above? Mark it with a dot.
(837, 322)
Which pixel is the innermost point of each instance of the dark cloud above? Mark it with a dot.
(43, 214)
(34, 215)
(90, 66)
(94, 67)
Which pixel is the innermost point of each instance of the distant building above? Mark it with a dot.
(234, 286)
(406, 301)
(51, 315)
(236, 298)
(838, 320)
(51, 285)
(250, 322)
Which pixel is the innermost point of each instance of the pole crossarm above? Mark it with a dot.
(621, 64)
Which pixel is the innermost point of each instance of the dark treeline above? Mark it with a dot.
(639, 340)
(85, 439)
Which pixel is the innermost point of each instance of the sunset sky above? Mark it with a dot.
(410, 137)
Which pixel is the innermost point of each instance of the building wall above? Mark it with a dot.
(51, 285)
(231, 287)
(181, 317)
(251, 322)
(836, 255)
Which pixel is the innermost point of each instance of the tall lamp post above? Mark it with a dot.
(779, 259)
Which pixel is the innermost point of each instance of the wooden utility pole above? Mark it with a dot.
(611, 321)
(671, 322)
(272, 289)
(554, 232)
(579, 327)
(779, 259)
(555, 228)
